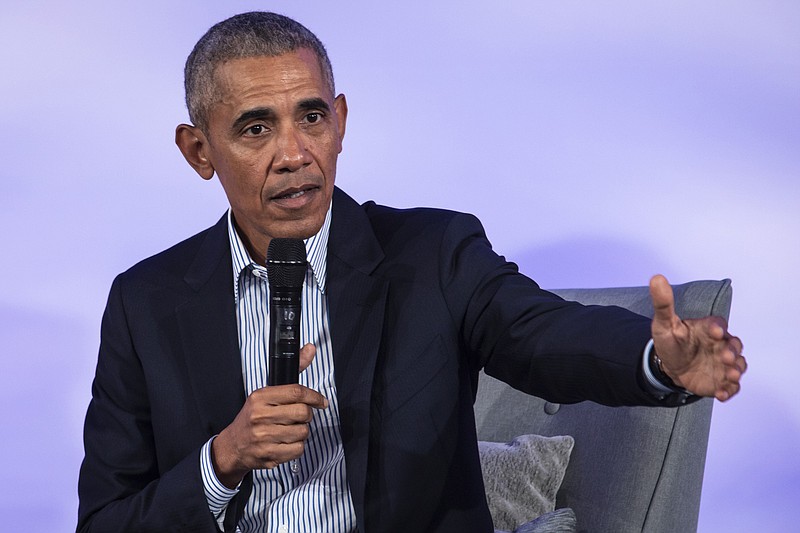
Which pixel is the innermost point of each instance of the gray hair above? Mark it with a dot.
(251, 34)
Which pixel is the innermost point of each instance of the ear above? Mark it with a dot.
(340, 108)
(193, 145)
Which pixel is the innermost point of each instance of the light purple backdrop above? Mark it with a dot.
(599, 143)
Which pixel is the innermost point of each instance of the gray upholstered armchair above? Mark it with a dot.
(631, 468)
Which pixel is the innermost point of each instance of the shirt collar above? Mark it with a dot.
(316, 254)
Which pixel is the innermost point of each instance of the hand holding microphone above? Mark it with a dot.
(272, 427)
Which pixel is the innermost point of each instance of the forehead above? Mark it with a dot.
(268, 77)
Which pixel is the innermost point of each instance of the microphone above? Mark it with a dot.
(286, 270)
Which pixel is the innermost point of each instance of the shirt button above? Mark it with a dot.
(283, 529)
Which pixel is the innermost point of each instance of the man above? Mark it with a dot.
(401, 309)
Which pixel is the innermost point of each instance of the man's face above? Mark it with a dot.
(273, 140)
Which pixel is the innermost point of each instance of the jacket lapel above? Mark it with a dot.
(207, 322)
(357, 299)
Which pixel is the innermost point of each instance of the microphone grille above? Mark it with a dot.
(286, 263)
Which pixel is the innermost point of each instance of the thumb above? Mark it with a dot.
(307, 353)
(663, 299)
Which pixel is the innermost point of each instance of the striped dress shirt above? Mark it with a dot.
(315, 498)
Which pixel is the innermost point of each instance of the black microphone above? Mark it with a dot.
(286, 270)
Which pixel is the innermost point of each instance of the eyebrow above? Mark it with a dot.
(313, 103)
(264, 113)
(267, 113)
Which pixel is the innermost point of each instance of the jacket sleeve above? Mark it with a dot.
(122, 486)
(532, 339)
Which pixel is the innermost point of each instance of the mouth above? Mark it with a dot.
(295, 197)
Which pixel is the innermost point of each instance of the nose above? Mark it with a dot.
(292, 154)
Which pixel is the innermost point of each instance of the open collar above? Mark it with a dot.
(316, 253)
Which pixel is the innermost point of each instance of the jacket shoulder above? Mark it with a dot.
(420, 223)
(172, 264)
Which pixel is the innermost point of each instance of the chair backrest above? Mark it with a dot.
(632, 468)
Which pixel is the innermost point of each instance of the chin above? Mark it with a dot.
(299, 229)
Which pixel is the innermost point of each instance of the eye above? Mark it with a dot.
(313, 118)
(255, 130)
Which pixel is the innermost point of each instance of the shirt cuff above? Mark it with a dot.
(217, 495)
(660, 389)
(665, 391)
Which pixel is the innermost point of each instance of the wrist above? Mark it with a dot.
(657, 369)
(222, 459)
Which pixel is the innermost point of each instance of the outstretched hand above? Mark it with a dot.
(698, 355)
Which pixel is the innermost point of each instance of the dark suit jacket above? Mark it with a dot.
(418, 302)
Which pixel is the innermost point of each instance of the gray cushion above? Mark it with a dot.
(523, 476)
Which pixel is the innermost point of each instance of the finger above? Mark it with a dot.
(307, 354)
(741, 364)
(728, 392)
(663, 299)
(730, 385)
(736, 345)
(730, 351)
(289, 433)
(716, 330)
(283, 415)
(733, 375)
(288, 394)
(296, 393)
(276, 454)
(298, 414)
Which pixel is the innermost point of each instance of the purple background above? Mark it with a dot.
(599, 143)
